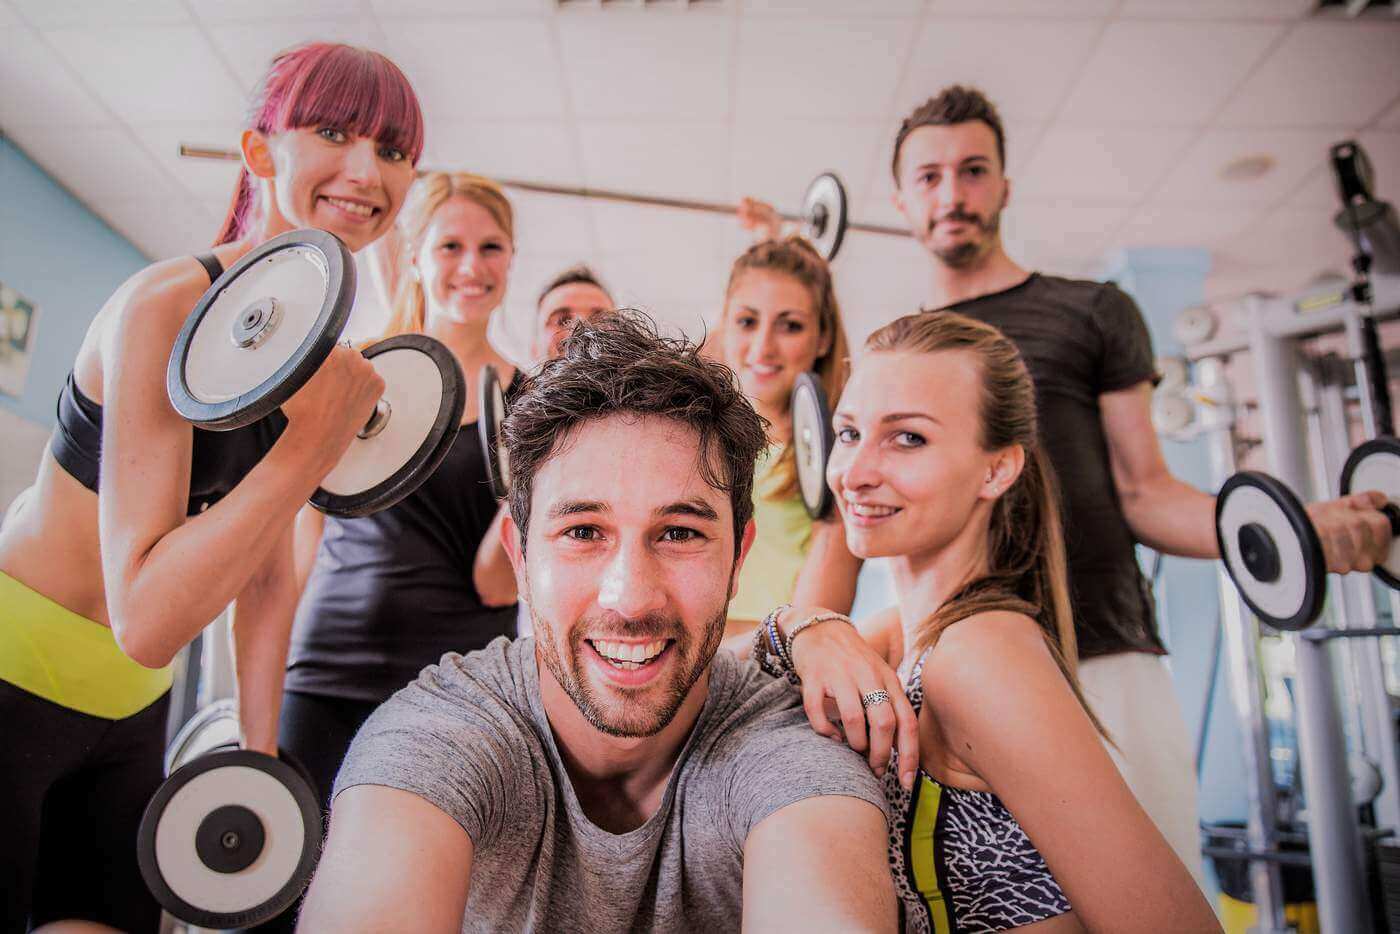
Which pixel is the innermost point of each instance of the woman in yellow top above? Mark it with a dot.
(781, 320)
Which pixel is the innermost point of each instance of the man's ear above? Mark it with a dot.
(745, 543)
(515, 550)
(257, 157)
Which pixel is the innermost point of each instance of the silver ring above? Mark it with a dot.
(874, 697)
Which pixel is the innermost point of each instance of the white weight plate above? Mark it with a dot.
(227, 893)
(1284, 598)
(827, 191)
(216, 370)
(1380, 470)
(811, 438)
(1194, 325)
(211, 727)
(413, 388)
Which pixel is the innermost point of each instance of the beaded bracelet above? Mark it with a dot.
(769, 650)
(811, 621)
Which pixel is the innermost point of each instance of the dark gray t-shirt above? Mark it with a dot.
(470, 736)
(1081, 339)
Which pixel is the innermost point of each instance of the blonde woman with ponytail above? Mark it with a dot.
(388, 594)
(1006, 809)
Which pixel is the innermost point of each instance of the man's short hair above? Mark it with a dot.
(574, 275)
(956, 103)
(619, 364)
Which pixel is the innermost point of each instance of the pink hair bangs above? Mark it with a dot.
(356, 90)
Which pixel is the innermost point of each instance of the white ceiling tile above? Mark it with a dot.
(207, 179)
(244, 11)
(665, 277)
(1151, 73)
(682, 160)
(1021, 8)
(1068, 229)
(401, 9)
(1391, 119)
(551, 224)
(97, 165)
(1323, 74)
(1316, 191)
(1301, 240)
(9, 19)
(484, 68)
(877, 280)
(184, 82)
(537, 151)
(1185, 226)
(1216, 9)
(49, 14)
(1383, 149)
(637, 229)
(904, 8)
(251, 47)
(1111, 165)
(807, 148)
(830, 69)
(39, 89)
(1025, 67)
(1196, 178)
(161, 227)
(645, 65)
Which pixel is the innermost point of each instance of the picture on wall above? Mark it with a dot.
(16, 340)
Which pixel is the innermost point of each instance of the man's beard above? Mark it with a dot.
(967, 253)
(628, 718)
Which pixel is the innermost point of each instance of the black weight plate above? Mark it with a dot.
(493, 413)
(1271, 550)
(426, 393)
(812, 439)
(309, 277)
(1375, 465)
(198, 847)
(824, 207)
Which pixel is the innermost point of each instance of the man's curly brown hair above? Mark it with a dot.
(620, 364)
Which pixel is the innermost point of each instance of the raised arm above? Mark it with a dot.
(1173, 517)
(391, 858)
(1003, 705)
(819, 865)
(167, 577)
(828, 576)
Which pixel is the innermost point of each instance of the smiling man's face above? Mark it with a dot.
(629, 569)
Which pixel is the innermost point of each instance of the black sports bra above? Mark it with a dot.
(220, 458)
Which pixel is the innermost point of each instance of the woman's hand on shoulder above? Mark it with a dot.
(838, 668)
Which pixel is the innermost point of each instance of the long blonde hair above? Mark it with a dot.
(796, 257)
(428, 194)
(1027, 569)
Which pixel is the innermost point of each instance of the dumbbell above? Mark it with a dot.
(1271, 549)
(231, 838)
(488, 426)
(812, 440)
(269, 322)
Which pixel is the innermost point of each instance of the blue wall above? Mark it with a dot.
(60, 256)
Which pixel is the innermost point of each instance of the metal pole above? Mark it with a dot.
(1358, 602)
(1334, 835)
(1245, 673)
(596, 194)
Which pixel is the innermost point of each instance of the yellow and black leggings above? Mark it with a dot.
(82, 739)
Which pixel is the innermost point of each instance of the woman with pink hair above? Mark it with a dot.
(104, 582)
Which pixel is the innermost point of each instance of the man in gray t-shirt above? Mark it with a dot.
(613, 773)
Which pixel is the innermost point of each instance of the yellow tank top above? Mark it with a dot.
(769, 575)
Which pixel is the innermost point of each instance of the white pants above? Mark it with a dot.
(1132, 694)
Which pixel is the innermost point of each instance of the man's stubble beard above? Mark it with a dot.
(660, 716)
(970, 253)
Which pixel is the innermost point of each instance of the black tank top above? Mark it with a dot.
(220, 458)
(391, 593)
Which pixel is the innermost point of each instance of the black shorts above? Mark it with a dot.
(73, 788)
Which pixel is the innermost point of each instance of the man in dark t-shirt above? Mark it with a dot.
(1088, 350)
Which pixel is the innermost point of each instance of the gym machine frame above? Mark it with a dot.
(1290, 398)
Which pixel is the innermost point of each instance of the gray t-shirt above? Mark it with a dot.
(470, 736)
